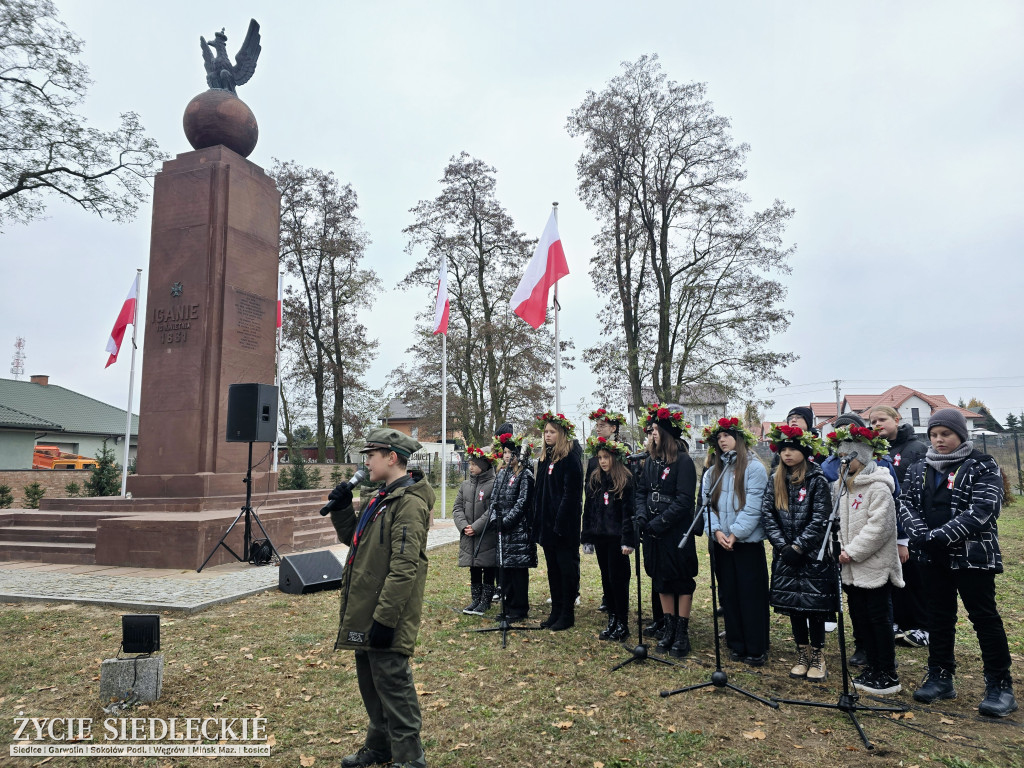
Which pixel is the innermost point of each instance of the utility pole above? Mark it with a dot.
(837, 382)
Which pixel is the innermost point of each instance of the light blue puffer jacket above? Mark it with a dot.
(745, 523)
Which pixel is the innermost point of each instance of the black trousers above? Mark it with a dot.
(977, 589)
(517, 591)
(869, 614)
(908, 603)
(389, 696)
(743, 585)
(482, 575)
(808, 628)
(615, 574)
(563, 564)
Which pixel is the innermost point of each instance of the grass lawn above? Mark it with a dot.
(549, 699)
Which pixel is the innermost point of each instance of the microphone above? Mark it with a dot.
(360, 475)
(638, 456)
(845, 460)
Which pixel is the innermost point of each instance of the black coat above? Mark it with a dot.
(605, 514)
(809, 587)
(560, 499)
(512, 497)
(906, 449)
(664, 501)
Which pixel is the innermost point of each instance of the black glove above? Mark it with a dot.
(381, 637)
(934, 545)
(341, 496)
(657, 526)
(791, 557)
(642, 521)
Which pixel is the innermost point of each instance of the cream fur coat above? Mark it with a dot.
(867, 531)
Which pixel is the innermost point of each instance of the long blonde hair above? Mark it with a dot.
(739, 472)
(560, 449)
(785, 475)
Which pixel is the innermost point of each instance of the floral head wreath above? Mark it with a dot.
(479, 454)
(555, 418)
(672, 420)
(612, 417)
(784, 436)
(871, 437)
(511, 442)
(619, 450)
(732, 425)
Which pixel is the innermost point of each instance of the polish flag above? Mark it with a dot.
(442, 306)
(280, 295)
(547, 267)
(125, 318)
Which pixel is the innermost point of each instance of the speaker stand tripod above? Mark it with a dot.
(250, 515)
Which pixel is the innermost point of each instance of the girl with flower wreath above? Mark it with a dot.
(666, 489)
(794, 513)
(870, 561)
(512, 500)
(606, 425)
(478, 541)
(559, 510)
(608, 527)
(738, 481)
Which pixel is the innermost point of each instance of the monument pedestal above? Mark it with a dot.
(211, 321)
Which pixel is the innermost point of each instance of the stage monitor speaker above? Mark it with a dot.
(252, 413)
(308, 572)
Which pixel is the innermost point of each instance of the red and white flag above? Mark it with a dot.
(441, 306)
(547, 267)
(125, 318)
(280, 296)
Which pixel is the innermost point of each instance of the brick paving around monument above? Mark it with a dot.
(151, 589)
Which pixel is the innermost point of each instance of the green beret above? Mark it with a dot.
(391, 440)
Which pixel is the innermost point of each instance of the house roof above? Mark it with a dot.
(15, 419)
(398, 410)
(57, 408)
(692, 395)
(824, 410)
(899, 394)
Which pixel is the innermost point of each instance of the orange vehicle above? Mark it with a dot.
(51, 457)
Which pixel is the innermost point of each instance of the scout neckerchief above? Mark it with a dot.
(372, 512)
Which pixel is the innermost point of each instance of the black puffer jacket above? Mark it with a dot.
(906, 449)
(971, 538)
(512, 496)
(605, 514)
(560, 499)
(670, 513)
(809, 587)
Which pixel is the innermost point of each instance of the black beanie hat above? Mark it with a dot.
(952, 419)
(849, 418)
(804, 413)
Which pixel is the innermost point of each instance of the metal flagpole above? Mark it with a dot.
(444, 424)
(277, 371)
(131, 384)
(558, 350)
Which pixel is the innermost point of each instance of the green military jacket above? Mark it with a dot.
(387, 576)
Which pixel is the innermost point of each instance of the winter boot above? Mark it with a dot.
(621, 630)
(937, 684)
(803, 662)
(655, 628)
(485, 600)
(477, 591)
(366, 757)
(566, 620)
(816, 671)
(556, 612)
(606, 633)
(999, 700)
(668, 634)
(859, 658)
(681, 643)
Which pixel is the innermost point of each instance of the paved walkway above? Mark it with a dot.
(154, 589)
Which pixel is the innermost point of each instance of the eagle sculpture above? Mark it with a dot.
(221, 74)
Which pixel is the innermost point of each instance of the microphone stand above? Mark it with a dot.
(719, 678)
(848, 698)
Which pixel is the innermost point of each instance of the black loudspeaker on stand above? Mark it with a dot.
(719, 678)
(309, 572)
(847, 699)
(252, 417)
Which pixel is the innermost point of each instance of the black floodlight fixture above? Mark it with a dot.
(140, 633)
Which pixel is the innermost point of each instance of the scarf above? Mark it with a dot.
(940, 461)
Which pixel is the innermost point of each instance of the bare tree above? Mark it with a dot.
(322, 245)
(46, 146)
(688, 271)
(497, 364)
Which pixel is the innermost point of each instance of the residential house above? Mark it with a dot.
(913, 406)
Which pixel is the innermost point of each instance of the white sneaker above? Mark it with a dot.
(830, 626)
(916, 638)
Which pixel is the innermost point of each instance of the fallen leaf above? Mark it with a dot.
(306, 761)
(597, 763)
(621, 694)
(563, 725)
(670, 729)
(798, 746)
(271, 740)
(248, 655)
(947, 721)
(758, 734)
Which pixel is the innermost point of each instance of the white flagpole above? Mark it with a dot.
(277, 373)
(444, 424)
(131, 384)
(558, 351)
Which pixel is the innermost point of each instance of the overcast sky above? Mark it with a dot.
(893, 129)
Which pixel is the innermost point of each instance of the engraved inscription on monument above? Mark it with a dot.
(250, 312)
(174, 322)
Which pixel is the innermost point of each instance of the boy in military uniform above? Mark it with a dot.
(382, 596)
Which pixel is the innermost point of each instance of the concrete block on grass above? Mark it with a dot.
(143, 676)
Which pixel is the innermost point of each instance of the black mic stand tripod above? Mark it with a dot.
(848, 698)
(719, 678)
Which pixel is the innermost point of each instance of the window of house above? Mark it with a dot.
(915, 417)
